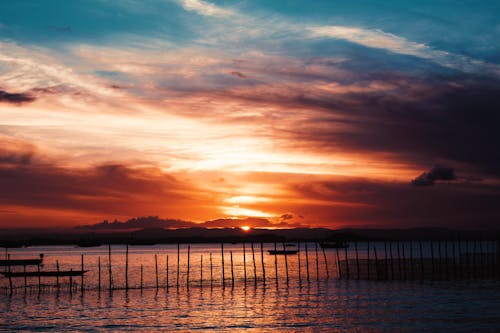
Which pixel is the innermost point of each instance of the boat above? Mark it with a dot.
(334, 245)
(290, 245)
(43, 273)
(282, 252)
(88, 243)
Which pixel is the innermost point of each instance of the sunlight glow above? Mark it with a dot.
(245, 228)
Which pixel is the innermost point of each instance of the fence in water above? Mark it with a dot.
(184, 266)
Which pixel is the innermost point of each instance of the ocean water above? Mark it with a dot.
(322, 304)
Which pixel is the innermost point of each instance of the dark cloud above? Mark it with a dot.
(15, 98)
(436, 173)
(239, 74)
(358, 202)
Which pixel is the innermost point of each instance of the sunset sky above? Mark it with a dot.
(309, 113)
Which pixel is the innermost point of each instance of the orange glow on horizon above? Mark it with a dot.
(245, 228)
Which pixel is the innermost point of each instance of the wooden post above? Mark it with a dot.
(405, 263)
(98, 273)
(392, 260)
(201, 271)
(262, 260)
(368, 258)
(126, 267)
(254, 266)
(232, 269)
(245, 263)
(178, 264)
(298, 260)
(188, 265)
(338, 264)
(211, 272)
(422, 271)
(10, 278)
(39, 279)
(109, 268)
(57, 277)
(386, 261)
(412, 264)
(474, 259)
(307, 263)
(326, 264)
(82, 287)
(25, 279)
(166, 273)
(286, 263)
(357, 258)
(275, 264)
(223, 273)
(440, 260)
(317, 260)
(432, 261)
(454, 256)
(156, 271)
(71, 282)
(376, 262)
(400, 275)
(142, 273)
(346, 264)
(447, 266)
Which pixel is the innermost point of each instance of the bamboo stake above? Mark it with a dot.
(211, 272)
(298, 260)
(262, 260)
(338, 264)
(98, 273)
(109, 268)
(432, 260)
(307, 263)
(422, 271)
(156, 271)
(188, 265)
(368, 258)
(71, 282)
(440, 261)
(25, 279)
(39, 278)
(232, 269)
(392, 260)
(178, 264)
(142, 273)
(126, 267)
(166, 273)
(82, 285)
(386, 261)
(326, 264)
(412, 265)
(57, 277)
(245, 263)
(10, 278)
(376, 262)
(357, 258)
(405, 263)
(286, 263)
(254, 266)
(346, 263)
(447, 273)
(201, 271)
(400, 272)
(223, 273)
(317, 260)
(275, 264)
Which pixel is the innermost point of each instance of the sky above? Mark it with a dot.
(300, 113)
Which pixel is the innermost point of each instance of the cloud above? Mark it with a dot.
(15, 98)
(205, 8)
(376, 38)
(438, 172)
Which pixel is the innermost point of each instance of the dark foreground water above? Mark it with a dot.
(332, 306)
(321, 305)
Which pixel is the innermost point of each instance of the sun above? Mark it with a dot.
(245, 228)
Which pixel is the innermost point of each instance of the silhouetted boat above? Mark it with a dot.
(290, 245)
(22, 262)
(44, 273)
(334, 245)
(282, 252)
